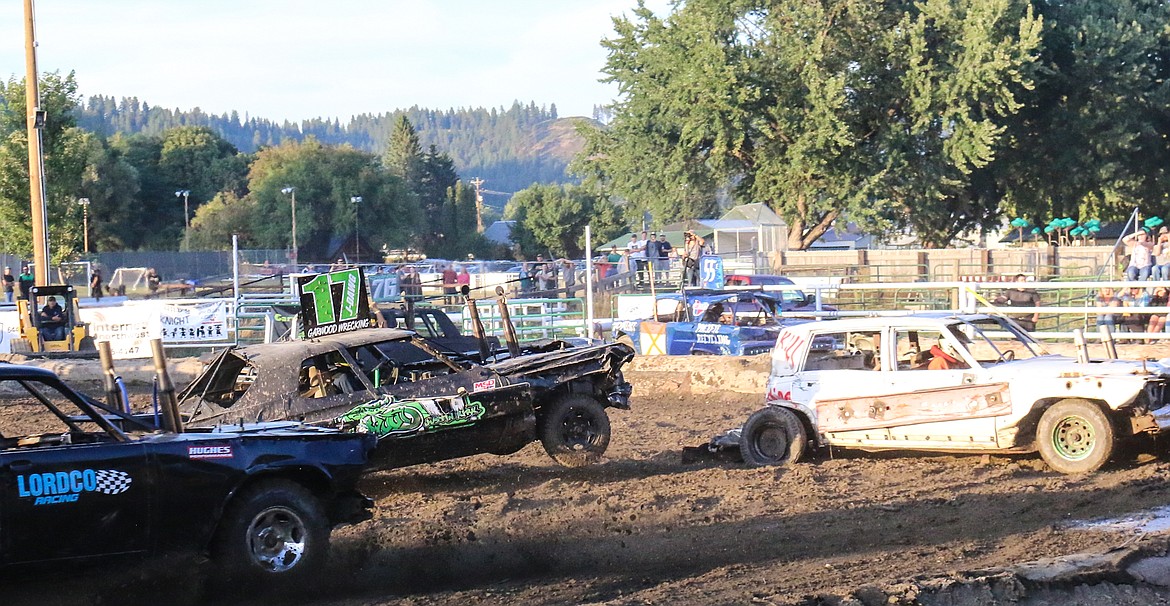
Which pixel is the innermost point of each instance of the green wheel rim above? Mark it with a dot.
(1073, 438)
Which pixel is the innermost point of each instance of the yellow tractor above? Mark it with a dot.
(50, 324)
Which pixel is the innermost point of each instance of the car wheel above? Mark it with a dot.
(1074, 436)
(273, 531)
(574, 430)
(772, 436)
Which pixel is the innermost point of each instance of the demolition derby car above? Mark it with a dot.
(950, 383)
(711, 322)
(422, 405)
(81, 480)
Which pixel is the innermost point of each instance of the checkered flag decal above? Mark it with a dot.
(110, 481)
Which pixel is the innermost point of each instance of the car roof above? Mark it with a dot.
(763, 279)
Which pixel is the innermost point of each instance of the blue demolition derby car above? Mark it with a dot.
(729, 323)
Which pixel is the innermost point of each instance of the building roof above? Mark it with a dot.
(757, 213)
(499, 232)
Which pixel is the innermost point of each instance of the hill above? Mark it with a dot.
(510, 148)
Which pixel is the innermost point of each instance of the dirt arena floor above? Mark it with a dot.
(647, 527)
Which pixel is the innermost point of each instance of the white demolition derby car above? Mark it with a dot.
(947, 383)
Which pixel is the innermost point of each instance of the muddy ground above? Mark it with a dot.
(646, 527)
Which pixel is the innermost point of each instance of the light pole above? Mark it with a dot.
(184, 193)
(292, 191)
(84, 202)
(357, 221)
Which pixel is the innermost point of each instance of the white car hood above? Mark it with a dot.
(1054, 366)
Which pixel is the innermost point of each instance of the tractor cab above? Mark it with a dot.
(50, 323)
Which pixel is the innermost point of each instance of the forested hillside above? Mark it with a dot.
(509, 148)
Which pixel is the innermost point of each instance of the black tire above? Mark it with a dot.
(1075, 436)
(772, 436)
(574, 430)
(273, 532)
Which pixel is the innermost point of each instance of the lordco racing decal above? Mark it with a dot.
(67, 486)
(387, 416)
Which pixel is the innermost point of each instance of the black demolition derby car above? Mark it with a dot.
(422, 405)
(81, 480)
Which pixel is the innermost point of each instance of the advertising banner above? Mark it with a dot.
(194, 322)
(9, 330)
(333, 303)
(128, 329)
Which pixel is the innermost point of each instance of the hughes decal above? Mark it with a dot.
(67, 486)
(387, 416)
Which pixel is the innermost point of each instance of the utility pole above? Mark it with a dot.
(84, 202)
(357, 221)
(292, 191)
(477, 182)
(36, 167)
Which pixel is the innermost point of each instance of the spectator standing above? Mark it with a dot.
(25, 282)
(692, 249)
(662, 265)
(153, 281)
(95, 284)
(570, 270)
(526, 280)
(9, 284)
(1107, 298)
(1022, 297)
(463, 279)
(652, 254)
(541, 273)
(615, 260)
(638, 255)
(450, 285)
(1141, 255)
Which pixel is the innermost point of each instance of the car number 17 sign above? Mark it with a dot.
(333, 303)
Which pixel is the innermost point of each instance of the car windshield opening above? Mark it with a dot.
(995, 340)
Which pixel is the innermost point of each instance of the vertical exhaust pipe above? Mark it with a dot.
(166, 389)
(506, 319)
(113, 394)
(1082, 345)
(476, 325)
(1108, 341)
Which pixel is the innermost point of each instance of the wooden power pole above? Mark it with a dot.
(477, 182)
(36, 166)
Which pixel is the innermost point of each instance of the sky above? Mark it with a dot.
(301, 59)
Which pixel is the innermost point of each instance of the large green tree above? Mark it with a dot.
(325, 180)
(69, 155)
(551, 219)
(1093, 139)
(873, 110)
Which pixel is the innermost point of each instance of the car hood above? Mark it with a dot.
(1056, 367)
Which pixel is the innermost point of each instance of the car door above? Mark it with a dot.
(840, 367)
(923, 403)
(68, 500)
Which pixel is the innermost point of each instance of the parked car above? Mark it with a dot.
(434, 325)
(950, 383)
(708, 322)
(793, 299)
(79, 480)
(422, 405)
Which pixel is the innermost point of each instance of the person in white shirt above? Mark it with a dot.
(638, 255)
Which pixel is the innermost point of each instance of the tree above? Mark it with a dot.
(224, 215)
(816, 108)
(1092, 138)
(551, 219)
(68, 153)
(325, 179)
